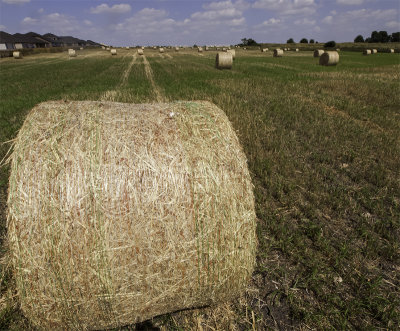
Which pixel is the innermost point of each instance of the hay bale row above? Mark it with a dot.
(137, 211)
(17, 55)
(318, 52)
(329, 58)
(278, 52)
(224, 60)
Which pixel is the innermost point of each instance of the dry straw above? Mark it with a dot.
(264, 50)
(176, 49)
(113, 52)
(233, 52)
(17, 55)
(391, 50)
(374, 51)
(318, 52)
(161, 50)
(121, 212)
(71, 52)
(329, 58)
(278, 52)
(366, 52)
(223, 60)
(140, 51)
(200, 49)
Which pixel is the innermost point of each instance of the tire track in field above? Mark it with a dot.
(111, 95)
(149, 73)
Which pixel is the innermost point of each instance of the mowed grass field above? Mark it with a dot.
(323, 149)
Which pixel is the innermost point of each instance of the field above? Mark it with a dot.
(323, 147)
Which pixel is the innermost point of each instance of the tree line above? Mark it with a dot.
(379, 37)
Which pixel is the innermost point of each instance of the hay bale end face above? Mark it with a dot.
(264, 50)
(113, 51)
(278, 52)
(318, 52)
(223, 60)
(17, 55)
(140, 51)
(71, 52)
(374, 51)
(329, 58)
(233, 52)
(161, 50)
(200, 49)
(367, 52)
(140, 210)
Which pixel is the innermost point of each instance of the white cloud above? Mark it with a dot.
(288, 7)
(2, 27)
(15, 2)
(115, 9)
(304, 21)
(41, 11)
(270, 22)
(327, 19)
(393, 25)
(349, 2)
(240, 5)
(29, 21)
(87, 22)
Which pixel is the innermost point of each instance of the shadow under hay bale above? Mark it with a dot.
(121, 212)
(329, 58)
(223, 60)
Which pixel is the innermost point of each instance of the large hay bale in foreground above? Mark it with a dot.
(71, 52)
(113, 51)
(223, 60)
(140, 51)
(233, 52)
(278, 52)
(367, 52)
(121, 212)
(318, 52)
(17, 55)
(329, 58)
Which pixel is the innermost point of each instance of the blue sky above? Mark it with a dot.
(188, 22)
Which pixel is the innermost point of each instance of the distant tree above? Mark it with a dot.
(359, 39)
(379, 37)
(311, 41)
(249, 42)
(368, 40)
(375, 37)
(304, 41)
(290, 41)
(395, 37)
(331, 43)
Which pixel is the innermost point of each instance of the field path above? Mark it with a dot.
(111, 95)
(149, 74)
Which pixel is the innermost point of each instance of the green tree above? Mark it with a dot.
(311, 41)
(290, 41)
(359, 39)
(249, 42)
(331, 43)
(395, 37)
(304, 41)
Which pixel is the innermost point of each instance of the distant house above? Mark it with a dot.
(69, 41)
(6, 41)
(55, 40)
(92, 43)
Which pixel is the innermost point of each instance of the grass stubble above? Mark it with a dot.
(322, 146)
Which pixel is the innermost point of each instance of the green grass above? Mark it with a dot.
(323, 146)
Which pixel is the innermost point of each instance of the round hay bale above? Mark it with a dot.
(318, 52)
(296, 50)
(264, 50)
(278, 52)
(176, 49)
(71, 52)
(200, 49)
(140, 51)
(103, 47)
(391, 50)
(233, 52)
(127, 47)
(108, 48)
(223, 60)
(17, 55)
(113, 51)
(161, 50)
(142, 47)
(366, 52)
(121, 212)
(374, 51)
(224, 49)
(329, 58)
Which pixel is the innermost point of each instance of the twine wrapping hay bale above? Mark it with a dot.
(367, 52)
(113, 51)
(121, 212)
(278, 52)
(329, 58)
(223, 60)
(17, 55)
(233, 52)
(161, 50)
(318, 52)
(71, 52)
(140, 51)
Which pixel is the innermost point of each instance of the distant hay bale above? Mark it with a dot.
(71, 52)
(318, 52)
(154, 47)
(391, 50)
(200, 49)
(207, 48)
(127, 47)
(161, 50)
(108, 48)
(374, 51)
(278, 52)
(113, 51)
(264, 50)
(121, 212)
(288, 49)
(233, 52)
(329, 58)
(337, 49)
(103, 47)
(223, 60)
(176, 49)
(140, 51)
(224, 49)
(81, 48)
(17, 55)
(367, 52)
(296, 50)
(143, 47)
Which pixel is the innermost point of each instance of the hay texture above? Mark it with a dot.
(233, 52)
(71, 52)
(140, 51)
(329, 58)
(391, 50)
(318, 52)
(296, 50)
(200, 49)
(17, 55)
(374, 51)
(176, 49)
(223, 60)
(278, 52)
(367, 52)
(161, 50)
(121, 212)
(113, 51)
(264, 50)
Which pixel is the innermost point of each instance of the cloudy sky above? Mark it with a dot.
(188, 22)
